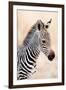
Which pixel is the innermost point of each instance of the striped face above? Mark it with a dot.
(44, 39)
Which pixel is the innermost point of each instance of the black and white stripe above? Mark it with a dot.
(26, 63)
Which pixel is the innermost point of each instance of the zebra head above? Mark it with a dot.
(44, 39)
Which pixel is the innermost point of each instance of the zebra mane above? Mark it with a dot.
(29, 35)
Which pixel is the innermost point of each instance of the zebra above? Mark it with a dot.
(37, 40)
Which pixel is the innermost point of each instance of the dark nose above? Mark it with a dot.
(51, 56)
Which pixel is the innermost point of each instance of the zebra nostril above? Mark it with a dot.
(51, 56)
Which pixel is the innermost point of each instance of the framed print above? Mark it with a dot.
(36, 44)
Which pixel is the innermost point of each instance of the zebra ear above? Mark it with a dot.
(39, 26)
(49, 21)
(48, 24)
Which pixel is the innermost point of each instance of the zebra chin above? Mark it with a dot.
(51, 56)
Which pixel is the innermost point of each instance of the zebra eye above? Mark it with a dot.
(46, 26)
(43, 41)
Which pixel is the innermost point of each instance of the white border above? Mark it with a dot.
(59, 79)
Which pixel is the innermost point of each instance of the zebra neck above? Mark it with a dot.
(35, 51)
(29, 37)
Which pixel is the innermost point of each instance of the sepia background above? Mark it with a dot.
(25, 20)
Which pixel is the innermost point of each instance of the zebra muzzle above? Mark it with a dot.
(51, 55)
